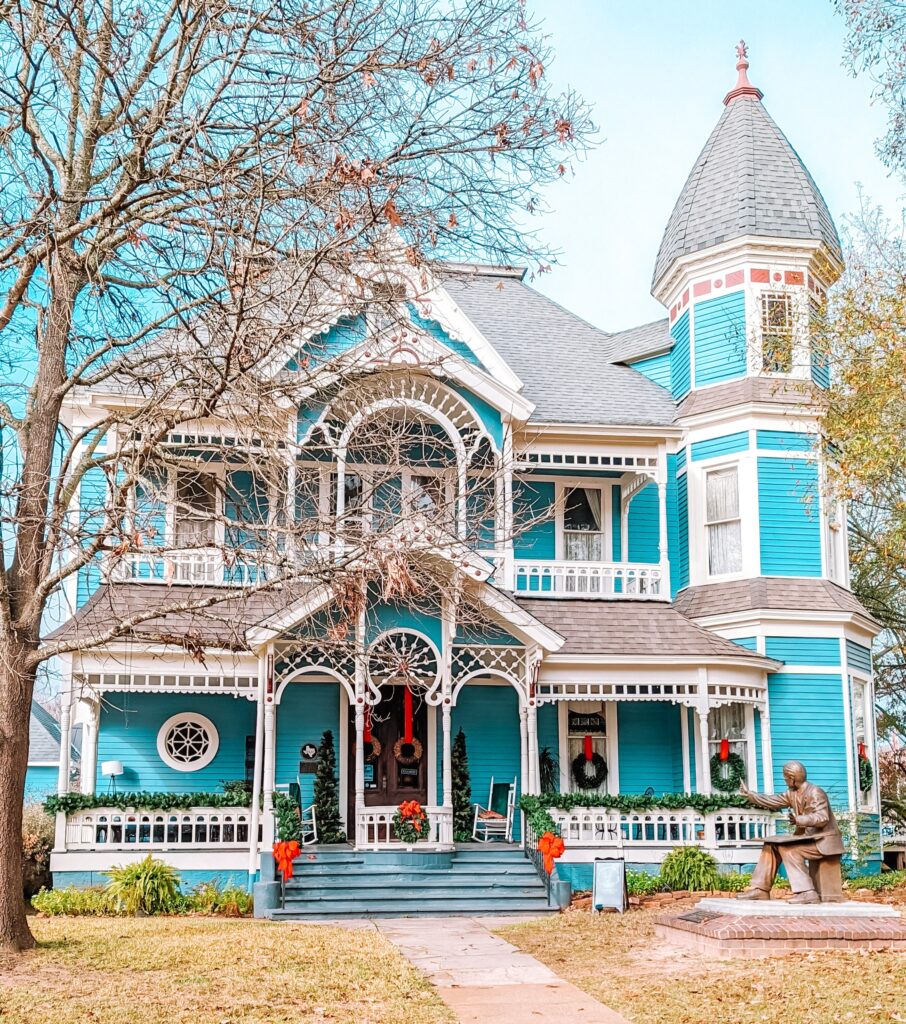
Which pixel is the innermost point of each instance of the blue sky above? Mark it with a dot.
(656, 72)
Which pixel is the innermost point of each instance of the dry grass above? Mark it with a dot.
(621, 962)
(189, 970)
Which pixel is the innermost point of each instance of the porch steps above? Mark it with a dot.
(346, 884)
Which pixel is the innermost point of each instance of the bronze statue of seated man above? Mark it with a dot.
(810, 853)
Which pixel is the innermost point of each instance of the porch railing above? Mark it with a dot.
(108, 828)
(633, 580)
(599, 827)
(191, 566)
(535, 855)
(374, 828)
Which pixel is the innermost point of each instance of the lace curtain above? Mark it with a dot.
(724, 531)
(583, 526)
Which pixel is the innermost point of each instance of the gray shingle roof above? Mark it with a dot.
(768, 592)
(748, 180)
(746, 390)
(639, 342)
(635, 628)
(564, 362)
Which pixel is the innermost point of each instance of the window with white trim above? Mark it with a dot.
(196, 508)
(586, 728)
(187, 742)
(862, 712)
(583, 524)
(722, 521)
(777, 332)
(728, 722)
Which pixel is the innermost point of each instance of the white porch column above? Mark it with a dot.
(447, 721)
(523, 750)
(767, 760)
(624, 528)
(65, 742)
(532, 734)
(88, 774)
(684, 743)
(359, 768)
(269, 835)
(258, 773)
(662, 517)
(506, 525)
(703, 775)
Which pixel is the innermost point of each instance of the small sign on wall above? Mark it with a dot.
(586, 723)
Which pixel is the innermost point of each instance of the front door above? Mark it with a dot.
(391, 779)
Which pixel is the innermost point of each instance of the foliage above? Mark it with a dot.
(734, 881)
(689, 867)
(589, 781)
(148, 886)
(140, 800)
(861, 839)
(548, 770)
(866, 775)
(326, 794)
(287, 822)
(37, 842)
(462, 789)
(736, 772)
(72, 901)
(879, 883)
(411, 823)
(210, 898)
(643, 883)
(239, 791)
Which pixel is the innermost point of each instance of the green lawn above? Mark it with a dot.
(171, 970)
(620, 961)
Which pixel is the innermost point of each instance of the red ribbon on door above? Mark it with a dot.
(724, 750)
(589, 748)
(407, 715)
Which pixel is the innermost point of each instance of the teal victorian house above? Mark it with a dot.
(627, 576)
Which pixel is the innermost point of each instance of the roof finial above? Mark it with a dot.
(743, 86)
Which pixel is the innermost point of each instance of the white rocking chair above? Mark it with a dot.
(308, 820)
(496, 820)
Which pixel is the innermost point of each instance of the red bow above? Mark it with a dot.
(589, 749)
(284, 855)
(724, 750)
(411, 809)
(551, 847)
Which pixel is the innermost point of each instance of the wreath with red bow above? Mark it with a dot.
(410, 823)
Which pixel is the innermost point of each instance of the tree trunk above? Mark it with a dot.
(16, 688)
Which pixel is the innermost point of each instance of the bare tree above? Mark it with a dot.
(189, 189)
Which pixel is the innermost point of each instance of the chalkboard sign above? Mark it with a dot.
(609, 885)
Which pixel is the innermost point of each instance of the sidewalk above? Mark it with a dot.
(484, 979)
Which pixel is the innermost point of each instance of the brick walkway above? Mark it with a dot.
(482, 978)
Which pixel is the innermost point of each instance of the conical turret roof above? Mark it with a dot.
(748, 180)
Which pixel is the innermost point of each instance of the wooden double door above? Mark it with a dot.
(389, 780)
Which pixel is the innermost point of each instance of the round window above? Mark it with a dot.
(187, 742)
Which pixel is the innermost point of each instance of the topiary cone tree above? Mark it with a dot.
(326, 794)
(462, 790)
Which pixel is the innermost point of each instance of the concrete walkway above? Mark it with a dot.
(484, 979)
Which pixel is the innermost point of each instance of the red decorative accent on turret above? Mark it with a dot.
(743, 86)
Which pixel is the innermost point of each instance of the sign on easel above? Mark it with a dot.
(609, 885)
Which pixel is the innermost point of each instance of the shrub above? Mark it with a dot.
(208, 898)
(641, 883)
(689, 867)
(71, 901)
(886, 880)
(37, 842)
(738, 881)
(147, 886)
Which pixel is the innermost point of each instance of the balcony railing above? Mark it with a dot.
(600, 827)
(374, 829)
(633, 580)
(107, 828)
(189, 566)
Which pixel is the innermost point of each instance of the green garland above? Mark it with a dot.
(405, 830)
(536, 808)
(866, 775)
(737, 768)
(144, 801)
(287, 823)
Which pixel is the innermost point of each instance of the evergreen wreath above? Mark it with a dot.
(411, 823)
(586, 779)
(407, 753)
(866, 774)
(736, 768)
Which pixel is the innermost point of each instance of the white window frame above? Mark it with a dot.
(604, 489)
(867, 800)
(196, 719)
(742, 745)
(610, 753)
(722, 467)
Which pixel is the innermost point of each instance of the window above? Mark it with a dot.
(187, 742)
(428, 497)
(196, 507)
(862, 713)
(777, 332)
(583, 529)
(728, 722)
(722, 522)
(246, 509)
(585, 719)
(354, 503)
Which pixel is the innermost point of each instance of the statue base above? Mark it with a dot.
(730, 928)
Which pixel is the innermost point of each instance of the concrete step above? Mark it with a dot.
(410, 880)
(304, 886)
(401, 907)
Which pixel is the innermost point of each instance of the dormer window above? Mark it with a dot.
(722, 521)
(777, 332)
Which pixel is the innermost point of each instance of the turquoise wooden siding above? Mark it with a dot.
(681, 459)
(788, 511)
(304, 712)
(40, 781)
(644, 528)
(92, 499)
(616, 532)
(820, 365)
(682, 512)
(759, 764)
(807, 724)
(245, 502)
(489, 716)
(673, 542)
(657, 368)
(680, 366)
(549, 733)
(433, 329)
(650, 748)
(534, 521)
(784, 440)
(345, 334)
(724, 445)
(858, 656)
(805, 650)
(384, 615)
(128, 732)
(488, 415)
(719, 339)
(749, 642)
